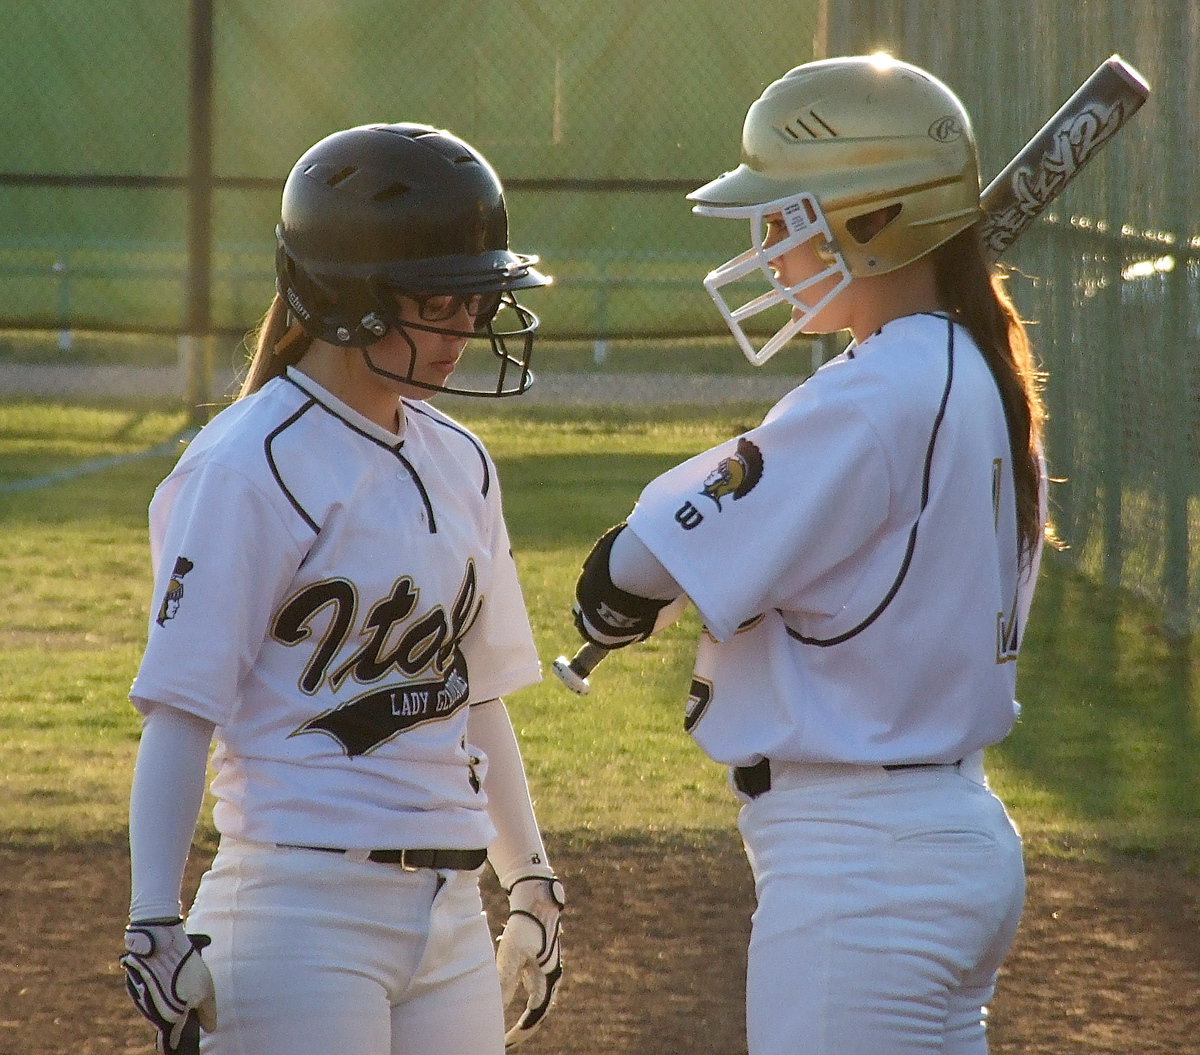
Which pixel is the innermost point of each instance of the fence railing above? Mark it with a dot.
(148, 202)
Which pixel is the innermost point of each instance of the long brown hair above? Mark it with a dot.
(979, 300)
(278, 344)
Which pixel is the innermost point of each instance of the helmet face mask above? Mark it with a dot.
(856, 136)
(380, 210)
(512, 372)
(805, 223)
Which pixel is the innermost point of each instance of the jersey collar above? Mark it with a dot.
(352, 418)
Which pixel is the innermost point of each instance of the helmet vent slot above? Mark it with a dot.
(810, 125)
(865, 227)
(392, 191)
(446, 145)
(341, 175)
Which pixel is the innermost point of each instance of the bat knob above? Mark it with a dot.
(570, 677)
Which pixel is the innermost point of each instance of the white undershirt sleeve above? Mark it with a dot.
(164, 805)
(517, 850)
(634, 569)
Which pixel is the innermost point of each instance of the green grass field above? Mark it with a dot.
(1106, 756)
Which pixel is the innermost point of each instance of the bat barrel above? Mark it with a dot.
(1053, 157)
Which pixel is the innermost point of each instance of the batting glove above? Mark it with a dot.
(170, 983)
(528, 954)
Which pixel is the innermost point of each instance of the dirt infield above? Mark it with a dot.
(1107, 960)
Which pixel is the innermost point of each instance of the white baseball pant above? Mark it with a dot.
(886, 903)
(314, 953)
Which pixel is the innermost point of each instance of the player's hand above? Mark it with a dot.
(170, 983)
(528, 955)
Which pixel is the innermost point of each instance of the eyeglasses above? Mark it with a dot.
(438, 307)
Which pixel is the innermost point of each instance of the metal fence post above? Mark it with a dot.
(62, 268)
(1177, 345)
(200, 180)
(600, 346)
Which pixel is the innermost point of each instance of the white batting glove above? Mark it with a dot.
(167, 980)
(528, 954)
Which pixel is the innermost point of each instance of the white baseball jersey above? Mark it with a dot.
(855, 561)
(333, 597)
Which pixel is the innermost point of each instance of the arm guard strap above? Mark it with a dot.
(605, 614)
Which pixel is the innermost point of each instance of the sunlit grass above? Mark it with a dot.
(1106, 757)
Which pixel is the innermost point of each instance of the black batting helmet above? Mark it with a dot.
(382, 209)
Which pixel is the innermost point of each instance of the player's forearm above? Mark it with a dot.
(517, 849)
(635, 569)
(164, 805)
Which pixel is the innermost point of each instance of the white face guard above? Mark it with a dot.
(805, 222)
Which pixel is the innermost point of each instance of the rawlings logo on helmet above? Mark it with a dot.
(946, 129)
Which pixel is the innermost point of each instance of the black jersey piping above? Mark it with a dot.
(267, 444)
(315, 400)
(825, 642)
(487, 473)
(420, 484)
(395, 449)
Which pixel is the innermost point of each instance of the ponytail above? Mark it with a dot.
(278, 344)
(979, 301)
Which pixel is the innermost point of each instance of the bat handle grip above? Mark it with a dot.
(573, 672)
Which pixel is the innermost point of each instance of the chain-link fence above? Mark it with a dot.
(144, 163)
(145, 145)
(1112, 281)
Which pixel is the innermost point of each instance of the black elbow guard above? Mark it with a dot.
(605, 614)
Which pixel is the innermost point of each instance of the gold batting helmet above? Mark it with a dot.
(842, 138)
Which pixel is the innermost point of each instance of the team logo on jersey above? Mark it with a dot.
(737, 475)
(372, 719)
(422, 649)
(174, 595)
(734, 478)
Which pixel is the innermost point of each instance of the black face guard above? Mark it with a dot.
(513, 375)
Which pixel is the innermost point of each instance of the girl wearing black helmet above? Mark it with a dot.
(391, 229)
(344, 620)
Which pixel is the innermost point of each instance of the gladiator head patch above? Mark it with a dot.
(737, 475)
(174, 595)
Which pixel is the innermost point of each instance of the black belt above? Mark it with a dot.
(755, 780)
(411, 860)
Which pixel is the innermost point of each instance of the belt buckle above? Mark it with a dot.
(404, 865)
